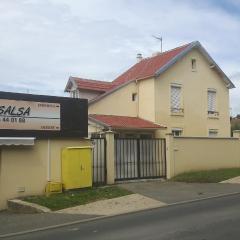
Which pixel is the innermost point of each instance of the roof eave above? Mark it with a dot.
(70, 80)
(135, 128)
(98, 122)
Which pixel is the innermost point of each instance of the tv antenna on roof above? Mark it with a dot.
(159, 39)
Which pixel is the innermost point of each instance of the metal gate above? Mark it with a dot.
(140, 158)
(99, 161)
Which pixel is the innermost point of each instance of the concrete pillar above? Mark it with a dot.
(110, 157)
(169, 155)
(236, 134)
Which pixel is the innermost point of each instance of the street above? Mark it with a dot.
(216, 218)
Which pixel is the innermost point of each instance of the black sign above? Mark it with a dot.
(27, 115)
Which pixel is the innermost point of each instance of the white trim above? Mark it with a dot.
(49, 161)
(17, 141)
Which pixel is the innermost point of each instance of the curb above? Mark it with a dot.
(19, 206)
(113, 215)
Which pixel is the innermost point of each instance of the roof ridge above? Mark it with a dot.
(152, 57)
(170, 50)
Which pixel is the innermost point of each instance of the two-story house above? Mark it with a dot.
(182, 91)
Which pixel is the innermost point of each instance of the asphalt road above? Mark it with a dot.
(217, 218)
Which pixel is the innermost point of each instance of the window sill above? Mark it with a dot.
(180, 114)
(213, 117)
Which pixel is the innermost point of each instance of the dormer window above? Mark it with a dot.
(75, 94)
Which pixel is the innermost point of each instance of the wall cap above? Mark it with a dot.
(210, 138)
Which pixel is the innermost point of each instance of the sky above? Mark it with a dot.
(43, 42)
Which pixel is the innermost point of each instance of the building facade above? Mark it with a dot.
(182, 90)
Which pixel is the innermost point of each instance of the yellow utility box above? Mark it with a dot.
(53, 187)
(77, 167)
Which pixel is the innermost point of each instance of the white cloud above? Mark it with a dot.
(43, 42)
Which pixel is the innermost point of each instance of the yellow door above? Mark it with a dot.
(77, 167)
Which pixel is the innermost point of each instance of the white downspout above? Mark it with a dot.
(49, 161)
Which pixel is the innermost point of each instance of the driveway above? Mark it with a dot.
(173, 192)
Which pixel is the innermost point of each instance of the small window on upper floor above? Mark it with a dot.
(134, 97)
(74, 94)
(194, 64)
(212, 133)
(177, 132)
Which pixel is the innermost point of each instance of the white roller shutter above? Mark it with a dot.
(211, 100)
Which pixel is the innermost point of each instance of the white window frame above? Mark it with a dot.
(75, 93)
(212, 107)
(177, 132)
(176, 108)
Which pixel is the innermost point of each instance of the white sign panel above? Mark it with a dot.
(28, 115)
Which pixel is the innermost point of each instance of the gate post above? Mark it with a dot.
(110, 157)
(169, 155)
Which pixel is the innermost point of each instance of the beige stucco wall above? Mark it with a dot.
(118, 103)
(193, 154)
(27, 167)
(146, 108)
(195, 120)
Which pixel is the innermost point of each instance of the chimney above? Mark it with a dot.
(139, 57)
(156, 54)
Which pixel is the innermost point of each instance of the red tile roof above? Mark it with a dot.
(148, 66)
(83, 83)
(143, 69)
(124, 122)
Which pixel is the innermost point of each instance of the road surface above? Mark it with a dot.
(216, 218)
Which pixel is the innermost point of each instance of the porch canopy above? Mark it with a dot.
(112, 122)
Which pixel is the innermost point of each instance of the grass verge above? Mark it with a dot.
(77, 197)
(210, 176)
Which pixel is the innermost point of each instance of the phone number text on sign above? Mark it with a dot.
(28, 115)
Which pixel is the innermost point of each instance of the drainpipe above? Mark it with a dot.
(138, 97)
(49, 161)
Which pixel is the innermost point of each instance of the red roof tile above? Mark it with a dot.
(143, 69)
(148, 66)
(83, 83)
(124, 122)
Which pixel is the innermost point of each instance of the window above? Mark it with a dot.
(146, 136)
(75, 94)
(134, 97)
(131, 135)
(211, 101)
(96, 135)
(212, 132)
(176, 99)
(177, 132)
(194, 64)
